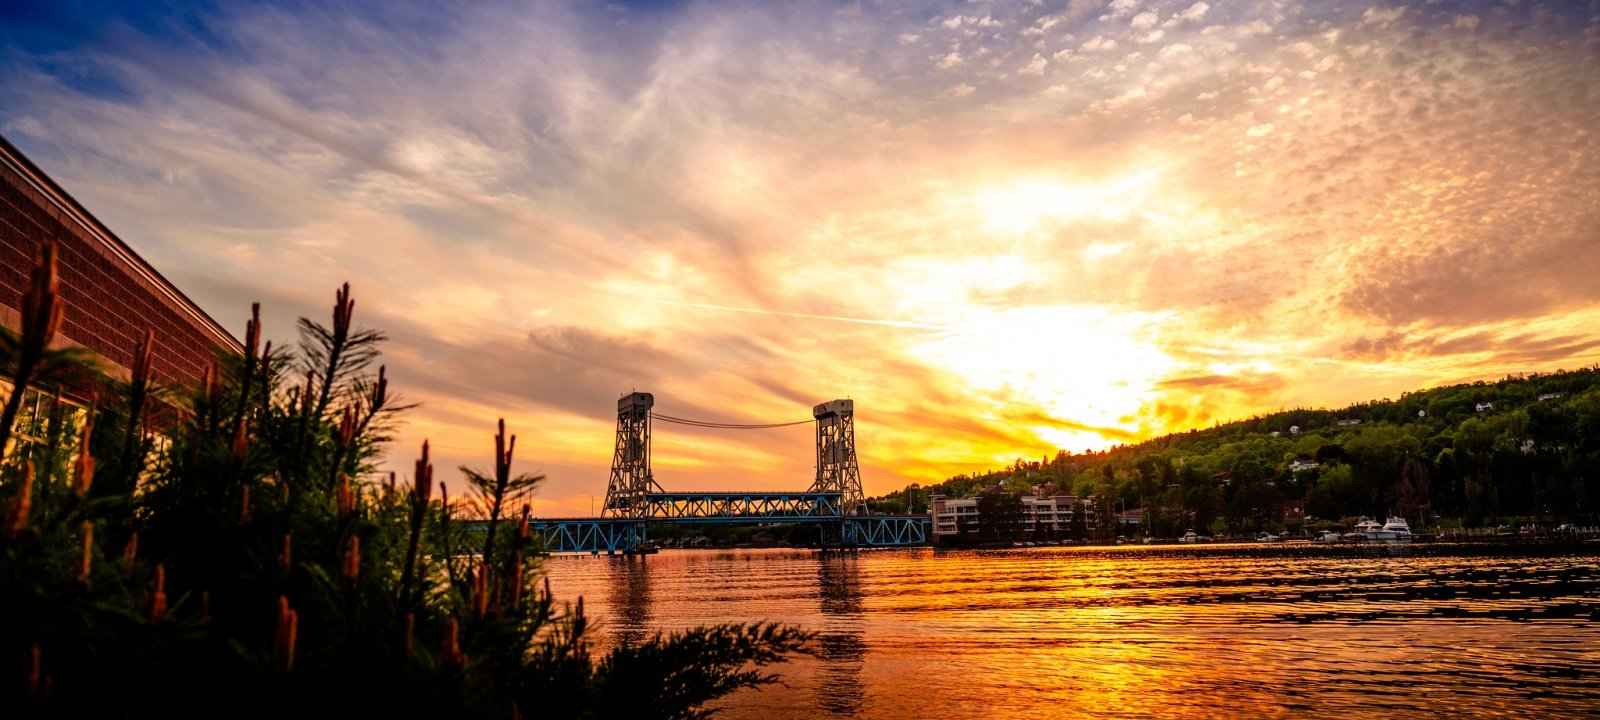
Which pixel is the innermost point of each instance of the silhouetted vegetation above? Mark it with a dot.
(1522, 449)
(999, 515)
(246, 560)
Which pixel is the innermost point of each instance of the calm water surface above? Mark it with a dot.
(1221, 631)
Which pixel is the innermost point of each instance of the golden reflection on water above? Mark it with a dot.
(1228, 631)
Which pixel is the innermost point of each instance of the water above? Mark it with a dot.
(1222, 631)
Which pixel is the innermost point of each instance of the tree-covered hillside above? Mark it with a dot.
(1525, 446)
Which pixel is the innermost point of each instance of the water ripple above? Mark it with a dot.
(1233, 631)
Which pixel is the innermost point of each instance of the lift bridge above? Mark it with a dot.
(634, 501)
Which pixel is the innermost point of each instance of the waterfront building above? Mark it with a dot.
(1046, 514)
(110, 297)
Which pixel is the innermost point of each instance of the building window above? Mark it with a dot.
(44, 419)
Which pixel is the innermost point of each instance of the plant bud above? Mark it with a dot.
(156, 601)
(16, 516)
(130, 552)
(85, 557)
(480, 590)
(284, 556)
(83, 469)
(450, 652)
(32, 674)
(352, 560)
(344, 498)
(286, 632)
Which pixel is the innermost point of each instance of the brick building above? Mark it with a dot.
(109, 295)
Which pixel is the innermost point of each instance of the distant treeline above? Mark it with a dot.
(1524, 447)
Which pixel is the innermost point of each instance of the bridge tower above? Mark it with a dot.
(631, 479)
(836, 455)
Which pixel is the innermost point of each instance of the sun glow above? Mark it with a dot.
(1084, 367)
(1025, 204)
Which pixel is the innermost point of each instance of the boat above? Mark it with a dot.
(1329, 536)
(1267, 537)
(1190, 537)
(1399, 528)
(1365, 529)
(1368, 530)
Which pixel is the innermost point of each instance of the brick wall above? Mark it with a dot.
(109, 295)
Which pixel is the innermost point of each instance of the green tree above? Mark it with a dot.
(1078, 522)
(1336, 494)
(1000, 515)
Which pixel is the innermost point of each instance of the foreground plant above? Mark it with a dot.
(255, 566)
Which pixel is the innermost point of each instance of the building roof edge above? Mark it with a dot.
(11, 156)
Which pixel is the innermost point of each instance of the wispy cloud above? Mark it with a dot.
(1000, 229)
(809, 316)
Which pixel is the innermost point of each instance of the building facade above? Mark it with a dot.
(110, 297)
(1043, 515)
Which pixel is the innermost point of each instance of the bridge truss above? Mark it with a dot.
(612, 535)
(634, 500)
(588, 535)
(718, 507)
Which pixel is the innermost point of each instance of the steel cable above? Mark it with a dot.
(723, 426)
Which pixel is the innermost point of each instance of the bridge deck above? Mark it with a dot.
(592, 535)
(747, 506)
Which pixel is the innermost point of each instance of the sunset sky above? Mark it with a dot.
(1002, 228)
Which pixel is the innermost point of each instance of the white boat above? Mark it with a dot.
(1368, 530)
(1267, 537)
(1329, 536)
(1365, 529)
(1189, 537)
(1399, 528)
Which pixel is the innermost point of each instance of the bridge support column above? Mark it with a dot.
(631, 479)
(837, 471)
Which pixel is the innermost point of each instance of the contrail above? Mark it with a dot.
(809, 316)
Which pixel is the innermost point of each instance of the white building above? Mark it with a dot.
(1052, 514)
